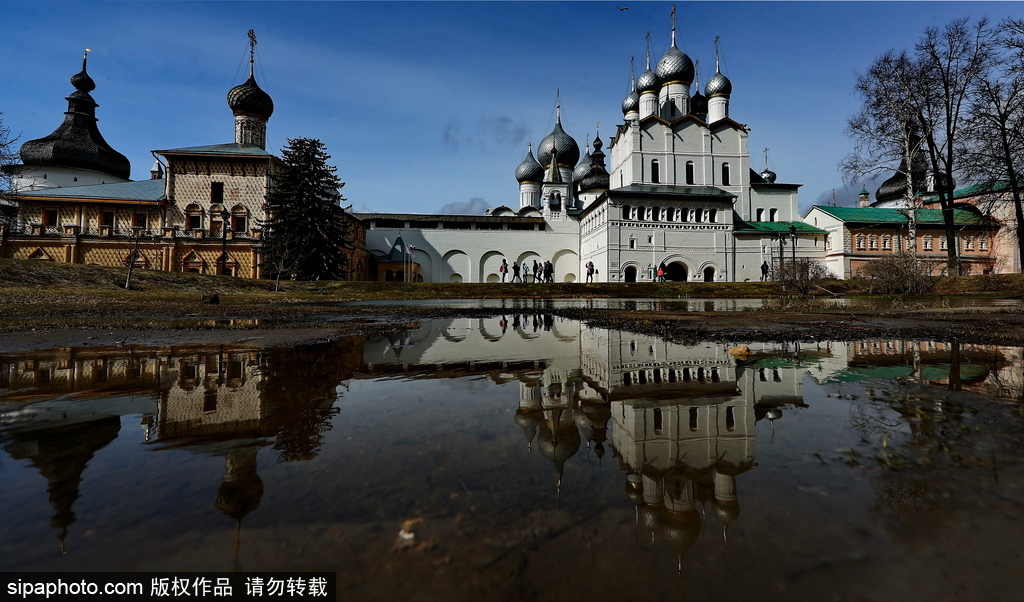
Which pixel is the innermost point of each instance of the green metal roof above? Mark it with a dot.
(143, 190)
(894, 216)
(234, 149)
(971, 191)
(742, 227)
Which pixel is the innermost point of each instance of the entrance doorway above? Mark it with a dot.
(630, 274)
(676, 272)
(709, 274)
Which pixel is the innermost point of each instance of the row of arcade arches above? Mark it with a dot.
(675, 271)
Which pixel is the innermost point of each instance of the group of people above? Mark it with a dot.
(542, 272)
(540, 321)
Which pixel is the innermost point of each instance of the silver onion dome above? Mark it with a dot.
(768, 176)
(631, 103)
(529, 170)
(719, 85)
(560, 142)
(647, 82)
(583, 168)
(674, 66)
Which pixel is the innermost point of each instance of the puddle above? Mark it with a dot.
(685, 305)
(525, 457)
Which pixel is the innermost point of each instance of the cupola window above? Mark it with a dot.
(655, 172)
(689, 172)
(725, 174)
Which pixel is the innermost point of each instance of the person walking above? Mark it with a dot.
(661, 273)
(526, 272)
(590, 271)
(549, 272)
(503, 268)
(536, 271)
(515, 272)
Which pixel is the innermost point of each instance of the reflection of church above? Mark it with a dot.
(217, 401)
(679, 421)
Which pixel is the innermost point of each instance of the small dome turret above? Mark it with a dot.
(250, 99)
(718, 85)
(647, 82)
(597, 177)
(768, 176)
(583, 167)
(529, 170)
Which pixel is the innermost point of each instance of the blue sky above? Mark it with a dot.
(427, 106)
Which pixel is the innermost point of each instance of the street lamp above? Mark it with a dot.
(792, 233)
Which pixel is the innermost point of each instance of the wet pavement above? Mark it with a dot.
(525, 456)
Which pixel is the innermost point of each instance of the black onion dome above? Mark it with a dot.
(631, 102)
(674, 66)
(699, 104)
(597, 178)
(77, 143)
(768, 175)
(567, 149)
(647, 82)
(719, 85)
(82, 82)
(249, 98)
(529, 170)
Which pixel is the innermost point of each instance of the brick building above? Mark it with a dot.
(201, 211)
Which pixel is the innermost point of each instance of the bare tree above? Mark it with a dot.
(994, 145)
(8, 159)
(922, 94)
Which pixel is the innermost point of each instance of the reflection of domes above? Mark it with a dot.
(249, 98)
(727, 512)
(242, 489)
(559, 446)
(674, 66)
(682, 529)
(651, 516)
(528, 421)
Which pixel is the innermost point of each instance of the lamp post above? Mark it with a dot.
(792, 233)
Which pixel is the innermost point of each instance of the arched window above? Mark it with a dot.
(712, 215)
(626, 209)
(773, 214)
(968, 243)
(760, 215)
(942, 243)
(926, 242)
(725, 174)
(861, 242)
(239, 218)
(655, 172)
(689, 172)
(655, 214)
(886, 243)
(632, 243)
(684, 214)
(193, 217)
(873, 242)
(698, 215)
(983, 242)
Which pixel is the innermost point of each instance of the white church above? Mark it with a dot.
(678, 193)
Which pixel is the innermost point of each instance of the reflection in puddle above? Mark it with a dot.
(512, 450)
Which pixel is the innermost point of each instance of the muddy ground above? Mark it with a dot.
(262, 325)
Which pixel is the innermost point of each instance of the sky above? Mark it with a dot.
(427, 107)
